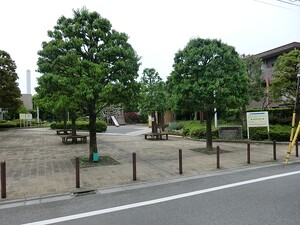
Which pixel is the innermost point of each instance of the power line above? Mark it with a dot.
(290, 3)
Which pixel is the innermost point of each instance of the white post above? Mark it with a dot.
(37, 115)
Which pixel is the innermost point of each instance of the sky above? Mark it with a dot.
(157, 29)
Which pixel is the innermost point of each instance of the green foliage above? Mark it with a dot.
(283, 88)
(80, 125)
(152, 94)
(9, 90)
(277, 132)
(9, 124)
(256, 89)
(176, 125)
(91, 64)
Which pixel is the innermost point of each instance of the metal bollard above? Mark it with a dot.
(274, 149)
(77, 165)
(180, 161)
(218, 157)
(248, 152)
(134, 165)
(3, 180)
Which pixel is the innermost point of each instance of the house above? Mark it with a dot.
(268, 61)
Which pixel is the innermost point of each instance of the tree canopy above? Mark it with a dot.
(9, 90)
(283, 86)
(153, 95)
(94, 62)
(208, 74)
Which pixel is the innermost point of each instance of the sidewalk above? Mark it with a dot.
(38, 164)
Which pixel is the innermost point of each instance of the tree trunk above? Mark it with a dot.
(209, 119)
(153, 123)
(65, 122)
(92, 126)
(73, 118)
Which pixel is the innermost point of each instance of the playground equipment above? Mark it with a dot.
(114, 116)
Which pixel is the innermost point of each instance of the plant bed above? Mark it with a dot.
(103, 161)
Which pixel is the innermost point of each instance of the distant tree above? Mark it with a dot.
(9, 90)
(96, 61)
(284, 84)
(152, 94)
(256, 88)
(208, 74)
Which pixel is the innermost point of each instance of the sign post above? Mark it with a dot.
(257, 119)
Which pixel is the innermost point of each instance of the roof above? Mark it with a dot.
(279, 50)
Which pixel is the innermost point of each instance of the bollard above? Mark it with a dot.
(180, 161)
(134, 165)
(297, 153)
(248, 152)
(77, 172)
(274, 149)
(218, 157)
(3, 180)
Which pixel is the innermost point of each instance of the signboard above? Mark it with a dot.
(257, 119)
(25, 118)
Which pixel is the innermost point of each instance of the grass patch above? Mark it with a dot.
(103, 161)
(209, 152)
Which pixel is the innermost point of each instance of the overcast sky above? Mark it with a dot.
(157, 28)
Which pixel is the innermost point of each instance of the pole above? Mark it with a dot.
(134, 165)
(218, 157)
(3, 180)
(274, 149)
(180, 161)
(77, 172)
(248, 152)
(297, 152)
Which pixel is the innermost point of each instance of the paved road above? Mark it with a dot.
(265, 195)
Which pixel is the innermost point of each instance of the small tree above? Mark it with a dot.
(9, 90)
(153, 95)
(208, 74)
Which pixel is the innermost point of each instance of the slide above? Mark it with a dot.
(115, 121)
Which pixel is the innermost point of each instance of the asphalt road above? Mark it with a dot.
(265, 195)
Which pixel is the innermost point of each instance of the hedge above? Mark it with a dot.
(101, 126)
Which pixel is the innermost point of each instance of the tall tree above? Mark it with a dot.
(153, 95)
(283, 86)
(9, 90)
(95, 60)
(208, 74)
(256, 88)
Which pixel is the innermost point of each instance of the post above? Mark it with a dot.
(218, 157)
(248, 152)
(274, 149)
(297, 152)
(77, 172)
(3, 180)
(134, 165)
(180, 161)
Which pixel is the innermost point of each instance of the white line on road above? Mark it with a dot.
(155, 201)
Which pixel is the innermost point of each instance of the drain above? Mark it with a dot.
(84, 192)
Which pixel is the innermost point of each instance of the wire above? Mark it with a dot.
(290, 3)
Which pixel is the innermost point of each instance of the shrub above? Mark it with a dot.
(132, 117)
(9, 124)
(176, 125)
(101, 126)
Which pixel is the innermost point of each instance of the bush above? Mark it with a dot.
(101, 126)
(132, 117)
(176, 126)
(9, 124)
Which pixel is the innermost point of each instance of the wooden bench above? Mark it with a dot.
(66, 139)
(62, 131)
(157, 136)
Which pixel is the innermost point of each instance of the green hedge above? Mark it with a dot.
(196, 130)
(80, 125)
(9, 124)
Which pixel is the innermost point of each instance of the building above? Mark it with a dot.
(268, 61)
